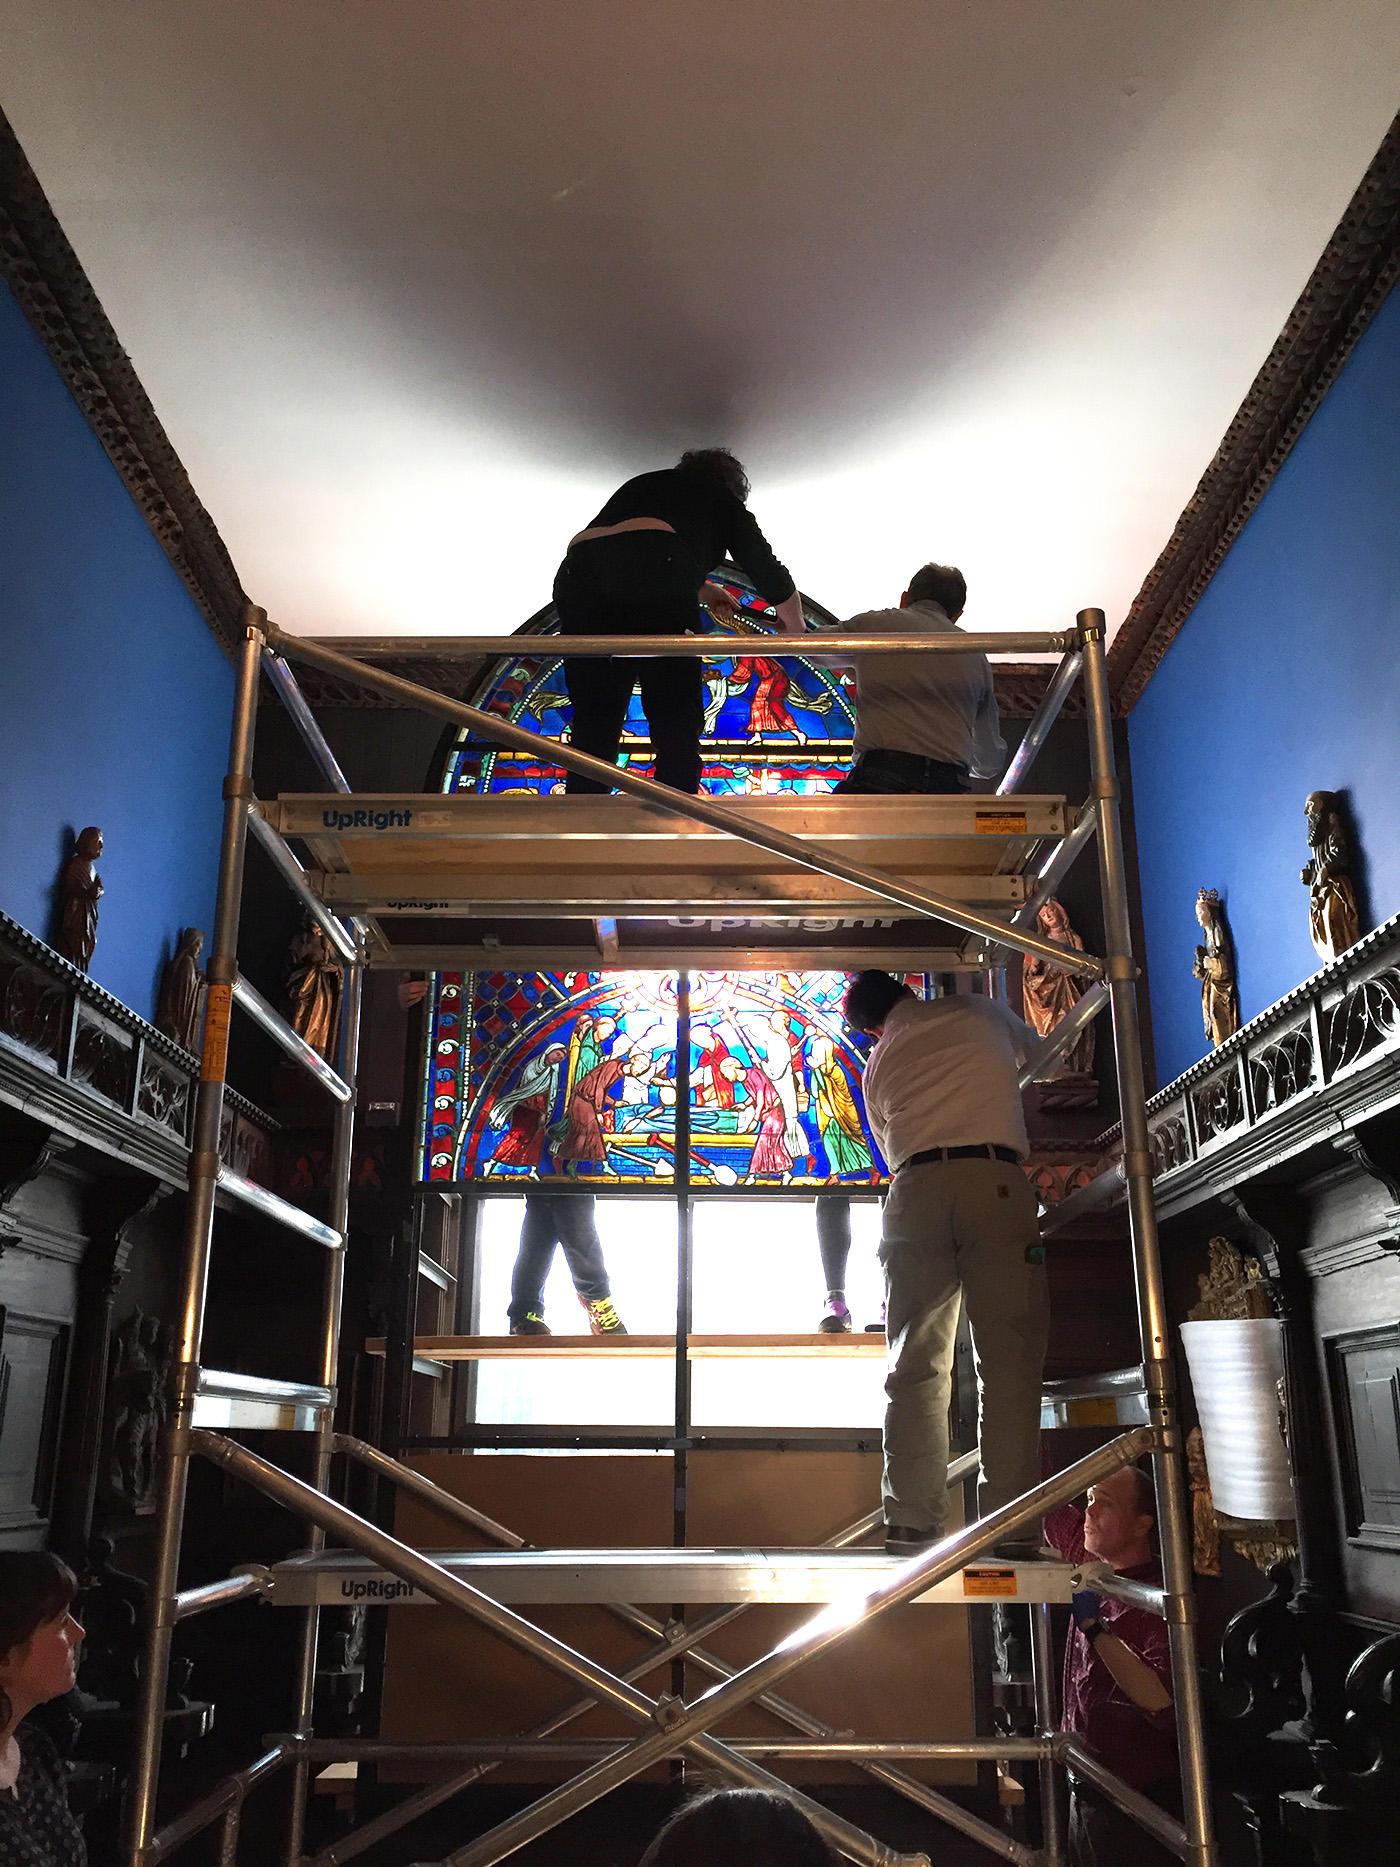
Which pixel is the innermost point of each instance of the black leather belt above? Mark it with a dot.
(988, 1151)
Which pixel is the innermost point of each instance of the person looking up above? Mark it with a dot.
(39, 1641)
(640, 568)
(745, 1827)
(1117, 1688)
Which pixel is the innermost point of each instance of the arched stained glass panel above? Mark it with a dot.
(574, 1077)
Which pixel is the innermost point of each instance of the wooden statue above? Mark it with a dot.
(180, 1008)
(1205, 1526)
(1332, 913)
(1215, 968)
(1048, 992)
(79, 891)
(313, 989)
(1232, 1288)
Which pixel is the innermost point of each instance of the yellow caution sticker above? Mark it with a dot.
(213, 1057)
(1000, 822)
(990, 1584)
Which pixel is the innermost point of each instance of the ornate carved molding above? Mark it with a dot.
(56, 296)
(1317, 1067)
(1357, 269)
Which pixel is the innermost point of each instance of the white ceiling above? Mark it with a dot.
(414, 283)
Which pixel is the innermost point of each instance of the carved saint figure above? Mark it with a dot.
(180, 1009)
(1205, 1527)
(1332, 914)
(313, 988)
(79, 891)
(1049, 992)
(1215, 968)
(141, 1363)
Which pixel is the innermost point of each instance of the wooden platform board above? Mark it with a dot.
(508, 878)
(865, 1345)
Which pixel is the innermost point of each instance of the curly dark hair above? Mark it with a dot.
(35, 1586)
(717, 463)
(749, 1825)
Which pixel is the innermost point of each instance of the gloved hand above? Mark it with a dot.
(1084, 1606)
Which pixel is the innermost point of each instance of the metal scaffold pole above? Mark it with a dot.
(204, 1165)
(342, 1148)
(1173, 1502)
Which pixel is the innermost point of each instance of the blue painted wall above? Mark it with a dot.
(114, 696)
(1284, 680)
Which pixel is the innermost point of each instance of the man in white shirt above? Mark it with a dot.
(960, 1226)
(923, 722)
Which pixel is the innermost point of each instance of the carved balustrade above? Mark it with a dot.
(1330, 1042)
(54, 1017)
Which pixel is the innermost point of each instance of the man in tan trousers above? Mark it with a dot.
(960, 1226)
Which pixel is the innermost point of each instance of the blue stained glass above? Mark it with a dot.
(573, 1076)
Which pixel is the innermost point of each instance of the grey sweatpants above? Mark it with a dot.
(959, 1232)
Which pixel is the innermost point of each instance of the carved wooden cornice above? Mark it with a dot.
(56, 295)
(1359, 265)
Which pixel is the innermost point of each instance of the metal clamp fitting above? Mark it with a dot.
(668, 1711)
(237, 787)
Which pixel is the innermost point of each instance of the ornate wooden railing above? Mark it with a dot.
(1329, 1048)
(55, 1019)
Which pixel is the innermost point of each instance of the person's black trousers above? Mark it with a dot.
(877, 773)
(636, 583)
(556, 1219)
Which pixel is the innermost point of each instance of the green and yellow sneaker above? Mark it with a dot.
(603, 1319)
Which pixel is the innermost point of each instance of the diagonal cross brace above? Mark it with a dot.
(323, 1511)
(699, 809)
(669, 1646)
(824, 1630)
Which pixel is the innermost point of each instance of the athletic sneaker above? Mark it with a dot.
(877, 1328)
(836, 1318)
(531, 1323)
(603, 1319)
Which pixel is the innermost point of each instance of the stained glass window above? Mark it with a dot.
(544, 1076)
(555, 1077)
(773, 723)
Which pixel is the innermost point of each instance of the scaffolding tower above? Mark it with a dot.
(939, 863)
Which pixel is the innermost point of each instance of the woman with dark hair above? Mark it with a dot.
(750, 1827)
(39, 1640)
(639, 569)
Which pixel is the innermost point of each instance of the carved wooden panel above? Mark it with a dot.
(33, 1356)
(1365, 1372)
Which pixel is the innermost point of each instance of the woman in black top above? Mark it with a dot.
(638, 569)
(39, 1641)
